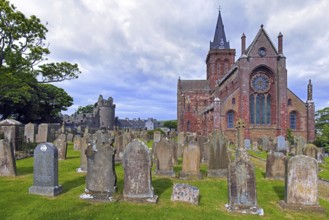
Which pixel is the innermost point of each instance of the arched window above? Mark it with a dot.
(188, 126)
(230, 119)
(260, 109)
(293, 120)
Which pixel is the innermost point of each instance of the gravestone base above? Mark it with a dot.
(97, 196)
(169, 173)
(245, 209)
(189, 176)
(301, 207)
(153, 199)
(46, 191)
(80, 170)
(217, 173)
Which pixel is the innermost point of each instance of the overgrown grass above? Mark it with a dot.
(17, 203)
(324, 174)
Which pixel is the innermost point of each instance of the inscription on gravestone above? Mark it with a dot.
(185, 193)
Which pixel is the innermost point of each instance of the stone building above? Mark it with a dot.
(103, 115)
(253, 88)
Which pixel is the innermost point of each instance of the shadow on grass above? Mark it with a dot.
(72, 157)
(21, 171)
(161, 185)
(279, 190)
(263, 174)
(68, 185)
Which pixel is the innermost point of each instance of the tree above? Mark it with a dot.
(170, 124)
(322, 128)
(86, 109)
(23, 52)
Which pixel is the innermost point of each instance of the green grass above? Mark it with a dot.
(324, 174)
(17, 203)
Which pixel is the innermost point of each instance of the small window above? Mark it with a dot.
(188, 126)
(293, 120)
(230, 119)
(233, 101)
(289, 102)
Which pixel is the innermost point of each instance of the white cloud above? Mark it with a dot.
(135, 51)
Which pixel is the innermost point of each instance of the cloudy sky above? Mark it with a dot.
(135, 50)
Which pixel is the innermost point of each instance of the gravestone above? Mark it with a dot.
(185, 193)
(29, 132)
(7, 159)
(156, 136)
(241, 180)
(281, 144)
(300, 144)
(191, 162)
(206, 149)
(45, 170)
(275, 165)
(119, 146)
(310, 150)
(77, 142)
(165, 158)
(301, 184)
(83, 157)
(137, 166)
(201, 141)
(69, 137)
(218, 157)
(265, 143)
(61, 145)
(42, 135)
(101, 177)
(181, 138)
(255, 146)
(247, 144)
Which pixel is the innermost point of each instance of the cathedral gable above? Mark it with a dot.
(262, 46)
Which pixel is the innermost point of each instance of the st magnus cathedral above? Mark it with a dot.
(253, 88)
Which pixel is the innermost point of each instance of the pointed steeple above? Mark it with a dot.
(219, 37)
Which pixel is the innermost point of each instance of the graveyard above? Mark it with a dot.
(17, 203)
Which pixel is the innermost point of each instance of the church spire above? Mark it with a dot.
(219, 37)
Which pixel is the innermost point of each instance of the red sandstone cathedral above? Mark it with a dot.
(253, 88)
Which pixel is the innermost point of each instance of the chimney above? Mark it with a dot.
(243, 44)
(280, 51)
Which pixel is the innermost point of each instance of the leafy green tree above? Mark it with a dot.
(170, 124)
(85, 109)
(322, 128)
(23, 51)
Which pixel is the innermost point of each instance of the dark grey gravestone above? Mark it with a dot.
(218, 157)
(45, 171)
(275, 165)
(137, 165)
(7, 159)
(301, 184)
(185, 193)
(165, 158)
(101, 176)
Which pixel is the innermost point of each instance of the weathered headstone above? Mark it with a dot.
(7, 159)
(300, 144)
(255, 146)
(185, 193)
(281, 144)
(83, 157)
(301, 184)
(275, 165)
(119, 145)
(69, 137)
(45, 169)
(218, 157)
(247, 144)
(101, 177)
(137, 165)
(191, 162)
(165, 158)
(61, 145)
(241, 179)
(156, 136)
(77, 142)
(310, 150)
(42, 135)
(29, 132)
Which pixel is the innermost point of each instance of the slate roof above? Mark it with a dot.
(194, 85)
(219, 37)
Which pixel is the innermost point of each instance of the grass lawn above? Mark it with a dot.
(17, 203)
